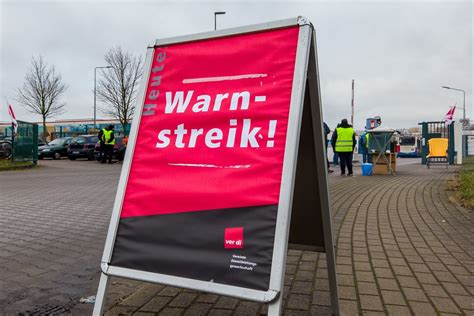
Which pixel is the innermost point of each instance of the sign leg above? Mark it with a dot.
(100, 297)
(274, 308)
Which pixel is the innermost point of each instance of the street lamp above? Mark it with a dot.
(95, 89)
(215, 16)
(463, 102)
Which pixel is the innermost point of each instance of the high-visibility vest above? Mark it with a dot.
(367, 137)
(102, 138)
(107, 136)
(344, 139)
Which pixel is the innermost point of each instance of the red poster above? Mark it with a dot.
(202, 194)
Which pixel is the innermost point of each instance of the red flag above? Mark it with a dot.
(448, 118)
(12, 117)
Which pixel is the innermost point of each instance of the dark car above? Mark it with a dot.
(54, 149)
(41, 142)
(119, 149)
(82, 147)
(5, 147)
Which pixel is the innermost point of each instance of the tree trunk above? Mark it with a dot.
(45, 132)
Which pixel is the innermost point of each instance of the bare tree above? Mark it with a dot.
(118, 86)
(42, 91)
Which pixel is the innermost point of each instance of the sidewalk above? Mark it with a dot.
(402, 248)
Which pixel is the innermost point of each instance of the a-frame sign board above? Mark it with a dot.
(225, 166)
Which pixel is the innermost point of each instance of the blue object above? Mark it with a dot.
(367, 169)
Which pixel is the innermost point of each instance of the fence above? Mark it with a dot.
(25, 142)
(437, 130)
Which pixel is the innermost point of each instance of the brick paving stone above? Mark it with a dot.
(247, 308)
(121, 310)
(393, 298)
(465, 302)
(446, 305)
(197, 309)
(171, 311)
(365, 276)
(183, 299)
(321, 298)
(320, 310)
(348, 307)
(170, 291)
(142, 296)
(397, 310)
(454, 288)
(367, 288)
(300, 287)
(345, 280)
(422, 309)
(156, 304)
(406, 281)
(371, 302)
(207, 298)
(415, 294)
(226, 302)
(347, 292)
(298, 301)
(434, 290)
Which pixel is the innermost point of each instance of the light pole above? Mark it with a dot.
(463, 101)
(215, 18)
(95, 89)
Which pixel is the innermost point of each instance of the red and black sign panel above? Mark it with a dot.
(202, 194)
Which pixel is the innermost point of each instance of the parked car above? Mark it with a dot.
(5, 147)
(55, 149)
(119, 149)
(41, 142)
(82, 147)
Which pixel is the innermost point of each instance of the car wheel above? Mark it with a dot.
(72, 158)
(57, 156)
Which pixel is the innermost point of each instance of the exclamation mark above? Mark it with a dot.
(271, 133)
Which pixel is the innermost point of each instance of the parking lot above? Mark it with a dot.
(403, 248)
(53, 221)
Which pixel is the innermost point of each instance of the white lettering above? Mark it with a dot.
(171, 102)
(212, 135)
(163, 138)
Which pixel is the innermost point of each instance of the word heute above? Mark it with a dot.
(237, 133)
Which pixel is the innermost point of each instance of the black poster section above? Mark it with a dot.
(306, 227)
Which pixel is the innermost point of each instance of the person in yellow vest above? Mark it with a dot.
(108, 138)
(343, 141)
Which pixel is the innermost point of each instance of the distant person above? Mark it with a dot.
(343, 140)
(101, 143)
(327, 130)
(109, 142)
(363, 147)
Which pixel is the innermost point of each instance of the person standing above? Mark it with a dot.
(101, 143)
(109, 142)
(343, 140)
(363, 147)
(327, 130)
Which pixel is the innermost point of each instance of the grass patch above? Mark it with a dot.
(463, 185)
(6, 164)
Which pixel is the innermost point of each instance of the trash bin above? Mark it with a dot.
(367, 169)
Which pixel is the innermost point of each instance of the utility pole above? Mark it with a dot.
(352, 104)
(215, 18)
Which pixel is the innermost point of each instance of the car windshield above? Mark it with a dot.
(94, 139)
(79, 140)
(57, 142)
(407, 141)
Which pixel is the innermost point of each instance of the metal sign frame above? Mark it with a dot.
(306, 42)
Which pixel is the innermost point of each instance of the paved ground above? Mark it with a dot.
(403, 248)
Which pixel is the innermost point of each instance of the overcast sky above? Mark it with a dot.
(399, 53)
